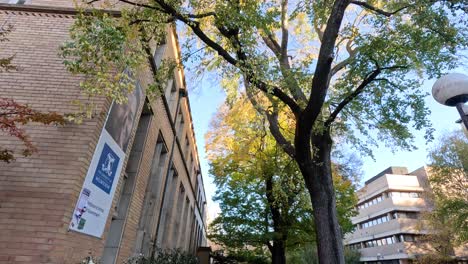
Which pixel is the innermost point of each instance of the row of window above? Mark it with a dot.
(375, 221)
(406, 215)
(405, 194)
(380, 242)
(18, 2)
(370, 202)
(388, 217)
(172, 97)
(380, 198)
(384, 241)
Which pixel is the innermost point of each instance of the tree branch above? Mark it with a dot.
(272, 44)
(377, 10)
(279, 137)
(321, 75)
(252, 99)
(141, 5)
(284, 31)
(285, 67)
(272, 118)
(203, 15)
(339, 66)
(249, 75)
(195, 26)
(318, 30)
(281, 53)
(273, 90)
(370, 77)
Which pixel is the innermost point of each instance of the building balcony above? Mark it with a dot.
(394, 251)
(402, 250)
(390, 204)
(395, 226)
(390, 182)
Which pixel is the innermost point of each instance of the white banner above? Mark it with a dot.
(93, 205)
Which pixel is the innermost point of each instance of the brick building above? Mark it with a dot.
(47, 211)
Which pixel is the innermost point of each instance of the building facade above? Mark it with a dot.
(388, 225)
(123, 183)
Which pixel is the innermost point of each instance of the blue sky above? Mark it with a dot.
(206, 97)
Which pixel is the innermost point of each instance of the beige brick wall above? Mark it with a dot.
(38, 193)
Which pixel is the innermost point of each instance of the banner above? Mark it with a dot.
(95, 200)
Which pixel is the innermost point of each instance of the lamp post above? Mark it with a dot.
(452, 90)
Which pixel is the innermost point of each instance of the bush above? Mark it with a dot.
(352, 256)
(308, 255)
(240, 256)
(172, 256)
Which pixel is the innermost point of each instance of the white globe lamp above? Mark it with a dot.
(452, 90)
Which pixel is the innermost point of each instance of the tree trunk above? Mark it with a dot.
(316, 170)
(278, 251)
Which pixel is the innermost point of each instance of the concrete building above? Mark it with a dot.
(389, 221)
(121, 183)
(389, 207)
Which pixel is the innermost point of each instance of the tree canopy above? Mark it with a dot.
(377, 55)
(243, 164)
(449, 182)
(342, 68)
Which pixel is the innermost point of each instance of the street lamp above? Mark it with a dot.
(452, 90)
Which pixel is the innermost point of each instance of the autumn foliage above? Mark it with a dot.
(13, 116)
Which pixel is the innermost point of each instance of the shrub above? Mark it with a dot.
(172, 256)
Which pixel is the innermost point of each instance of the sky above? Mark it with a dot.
(206, 96)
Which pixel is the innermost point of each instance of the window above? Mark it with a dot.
(159, 53)
(180, 128)
(171, 96)
(405, 194)
(375, 221)
(377, 242)
(372, 201)
(384, 241)
(18, 2)
(187, 149)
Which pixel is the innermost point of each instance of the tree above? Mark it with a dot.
(448, 178)
(260, 190)
(342, 67)
(13, 115)
(440, 240)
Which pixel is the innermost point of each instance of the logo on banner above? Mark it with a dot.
(106, 169)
